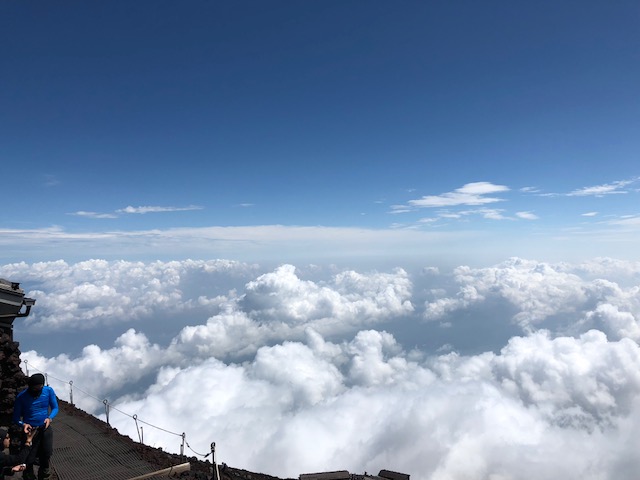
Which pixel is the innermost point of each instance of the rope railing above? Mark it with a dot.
(108, 406)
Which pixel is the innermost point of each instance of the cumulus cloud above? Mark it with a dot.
(97, 292)
(618, 310)
(551, 404)
(292, 374)
(279, 305)
(98, 371)
(538, 291)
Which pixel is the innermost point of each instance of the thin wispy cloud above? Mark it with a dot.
(629, 221)
(469, 194)
(602, 190)
(590, 214)
(400, 209)
(463, 215)
(490, 213)
(613, 188)
(156, 209)
(82, 213)
(487, 213)
(50, 181)
(527, 216)
(132, 210)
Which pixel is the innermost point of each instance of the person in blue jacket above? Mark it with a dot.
(34, 408)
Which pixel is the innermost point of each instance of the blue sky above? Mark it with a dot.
(416, 223)
(130, 118)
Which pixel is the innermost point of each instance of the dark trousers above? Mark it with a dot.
(42, 448)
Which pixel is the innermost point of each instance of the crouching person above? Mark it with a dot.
(10, 464)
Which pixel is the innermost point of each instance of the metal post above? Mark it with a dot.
(106, 409)
(46, 379)
(182, 446)
(26, 366)
(216, 472)
(135, 419)
(71, 392)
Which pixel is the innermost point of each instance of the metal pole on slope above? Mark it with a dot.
(216, 472)
(106, 409)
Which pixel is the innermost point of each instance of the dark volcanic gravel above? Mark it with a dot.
(200, 470)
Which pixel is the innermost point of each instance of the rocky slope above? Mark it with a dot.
(200, 470)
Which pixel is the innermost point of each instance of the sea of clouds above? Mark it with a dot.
(303, 369)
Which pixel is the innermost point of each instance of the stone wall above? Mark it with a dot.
(12, 379)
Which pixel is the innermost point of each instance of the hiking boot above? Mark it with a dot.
(44, 473)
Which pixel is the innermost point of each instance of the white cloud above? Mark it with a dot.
(138, 210)
(536, 290)
(617, 310)
(542, 406)
(631, 221)
(268, 243)
(98, 293)
(469, 194)
(280, 306)
(314, 361)
(100, 372)
(527, 215)
(583, 382)
(156, 209)
(82, 213)
(602, 190)
(399, 209)
(491, 214)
